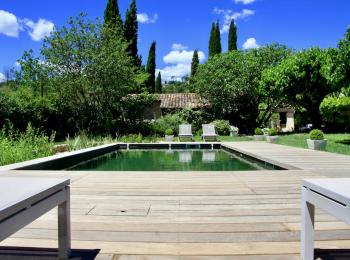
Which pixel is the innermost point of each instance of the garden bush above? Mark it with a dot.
(170, 121)
(222, 127)
(272, 132)
(28, 145)
(169, 131)
(83, 141)
(316, 134)
(258, 131)
(195, 118)
(336, 111)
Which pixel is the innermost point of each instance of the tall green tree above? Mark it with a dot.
(159, 85)
(195, 63)
(231, 84)
(131, 32)
(215, 40)
(112, 16)
(232, 37)
(218, 39)
(151, 68)
(212, 41)
(305, 80)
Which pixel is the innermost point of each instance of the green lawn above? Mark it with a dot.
(337, 143)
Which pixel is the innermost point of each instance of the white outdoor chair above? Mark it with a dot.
(23, 200)
(209, 133)
(185, 133)
(330, 195)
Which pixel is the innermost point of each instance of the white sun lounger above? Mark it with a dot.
(332, 196)
(209, 133)
(185, 133)
(23, 200)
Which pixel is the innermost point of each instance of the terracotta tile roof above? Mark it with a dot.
(180, 101)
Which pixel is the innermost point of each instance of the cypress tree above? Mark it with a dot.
(131, 32)
(232, 37)
(218, 48)
(159, 85)
(195, 63)
(151, 68)
(112, 16)
(215, 40)
(212, 41)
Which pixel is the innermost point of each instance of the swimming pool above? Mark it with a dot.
(168, 160)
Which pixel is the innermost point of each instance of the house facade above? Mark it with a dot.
(175, 102)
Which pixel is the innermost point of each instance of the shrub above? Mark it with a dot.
(131, 139)
(316, 134)
(83, 141)
(195, 118)
(336, 111)
(168, 121)
(222, 127)
(169, 131)
(272, 132)
(258, 131)
(18, 147)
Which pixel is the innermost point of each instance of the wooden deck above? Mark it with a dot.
(193, 215)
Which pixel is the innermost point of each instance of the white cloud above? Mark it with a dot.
(179, 59)
(9, 25)
(2, 77)
(229, 15)
(178, 47)
(245, 2)
(145, 18)
(251, 43)
(175, 73)
(39, 30)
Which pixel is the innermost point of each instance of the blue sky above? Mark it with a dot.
(181, 26)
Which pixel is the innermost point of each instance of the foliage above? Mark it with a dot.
(151, 68)
(222, 127)
(232, 36)
(231, 84)
(194, 64)
(258, 131)
(131, 32)
(336, 112)
(28, 145)
(316, 134)
(159, 85)
(339, 67)
(167, 122)
(133, 107)
(272, 132)
(169, 131)
(176, 87)
(89, 74)
(112, 16)
(194, 117)
(82, 141)
(215, 40)
(137, 139)
(303, 79)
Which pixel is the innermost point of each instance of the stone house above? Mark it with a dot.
(175, 102)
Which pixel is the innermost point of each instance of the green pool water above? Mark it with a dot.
(168, 160)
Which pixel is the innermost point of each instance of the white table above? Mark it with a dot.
(22, 200)
(331, 195)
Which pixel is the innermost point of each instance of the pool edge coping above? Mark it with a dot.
(89, 153)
